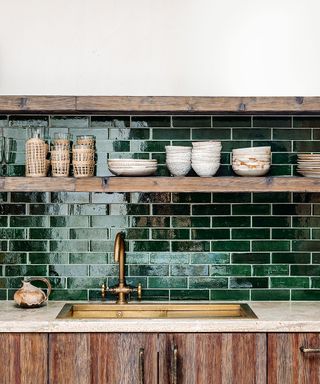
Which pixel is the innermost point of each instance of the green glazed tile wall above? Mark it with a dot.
(232, 246)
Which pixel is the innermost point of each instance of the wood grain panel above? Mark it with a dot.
(39, 184)
(41, 104)
(287, 364)
(23, 358)
(214, 358)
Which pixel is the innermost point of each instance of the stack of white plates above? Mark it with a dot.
(309, 165)
(253, 161)
(206, 157)
(132, 167)
(178, 160)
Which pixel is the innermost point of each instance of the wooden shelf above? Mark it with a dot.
(160, 184)
(157, 104)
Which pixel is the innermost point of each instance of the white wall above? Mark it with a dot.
(160, 47)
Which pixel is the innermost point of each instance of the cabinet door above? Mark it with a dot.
(212, 358)
(287, 364)
(23, 358)
(106, 358)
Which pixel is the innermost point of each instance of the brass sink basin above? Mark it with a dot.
(156, 311)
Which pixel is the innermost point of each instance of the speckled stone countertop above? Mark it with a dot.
(272, 317)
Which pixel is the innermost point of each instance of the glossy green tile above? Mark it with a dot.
(189, 294)
(170, 234)
(134, 233)
(306, 245)
(110, 121)
(66, 221)
(211, 134)
(272, 197)
(69, 121)
(171, 209)
(3, 221)
(270, 295)
(102, 246)
(305, 270)
(189, 221)
(69, 246)
(291, 233)
(272, 245)
(290, 282)
(169, 258)
(26, 245)
(251, 233)
(291, 209)
(12, 258)
(210, 234)
(272, 121)
(230, 245)
(251, 134)
(229, 294)
(211, 209)
(160, 197)
(231, 121)
(69, 294)
(189, 270)
(230, 270)
(25, 270)
(87, 209)
(49, 209)
(28, 121)
(105, 270)
(30, 197)
(305, 294)
(231, 221)
(280, 170)
(171, 134)
(191, 121)
(233, 197)
(210, 258)
(291, 258)
(276, 146)
(306, 121)
(208, 282)
(251, 209)
(150, 121)
(48, 258)
(293, 134)
(284, 158)
(12, 233)
(315, 258)
(250, 258)
(190, 246)
(149, 270)
(228, 146)
(271, 221)
(89, 233)
(270, 270)
(12, 209)
(150, 246)
(168, 282)
(3, 294)
(315, 282)
(70, 197)
(49, 233)
(88, 258)
(191, 197)
(306, 146)
(249, 282)
(147, 221)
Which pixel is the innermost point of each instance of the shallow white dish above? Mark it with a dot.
(133, 171)
(251, 172)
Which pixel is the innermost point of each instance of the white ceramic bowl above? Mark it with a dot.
(179, 168)
(206, 143)
(133, 171)
(177, 148)
(186, 156)
(205, 169)
(251, 150)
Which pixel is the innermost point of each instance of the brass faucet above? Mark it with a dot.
(122, 290)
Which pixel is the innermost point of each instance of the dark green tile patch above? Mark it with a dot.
(171, 134)
(270, 295)
(211, 134)
(251, 233)
(231, 121)
(150, 121)
(192, 121)
(270, 270)
(272, 121)
(230, 270)
(229, 294)
(250, 258)
(290, 282)
(251, 134)
(189, 294)
(210, 234)
(306, 122)
(249, 282)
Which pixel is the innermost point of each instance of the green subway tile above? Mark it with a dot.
(230, 246)
(15, 170)
(147, 221)
(12, 209)
(231, 121)
(189, 294)
(189, 270)
(171, 134)
(210, 234)
(88, 209)
(270, 270)
(136, 233)
(191, 197)
(231, 221)
(271, 245)
(306, 245)
(293, 134)
(11, 233)
(189, 221)
(228, 146)
(306, 122)
(3, 292)
(251, 209)
(25, 245)
(190, 246)
(305, 294)
(106, 222)
(230, 270)
(110, 121)
(49, 233)
(84, 282)
(191, 121)
(125, 134)
(291, 209)
(68, 294)
(150, 246)
(48, 258)
(150, 121)
(155, 294)
(272, 121)
(291, 233)
(251, 134)
(231, 197)
(159, 234)
(67, 221)
(208, 282)
(316, 209)
(306, 146)
(26, 270)
(168, 282)
(271, 221)
(270, 294)
(171, 209)
(149, 270)
(29, 197)
(28, 121)
(290, 282)
(121, 146)
(316, 134)
(68, 270)
(69, 246)
(229, 294)
(280, 170)
(100, 246)
(250, 258)
(272, 197)
(3, 245)
(89, 233)
(70, 197)
(315, 282)
(88, 258)
(49, 209)
(210, 258)
(249, 282)
(169, 258)
(150, 197)
(149, 146)
(306, 197)
(104, 270)
(315, 259)
(211, 134)
(284, 158)
(211, 209)
(291, 258)
(108, 198)
(305, 270)
(13, 258)
(276, 146)
(251, 233)
(4, 221)
(69, 122)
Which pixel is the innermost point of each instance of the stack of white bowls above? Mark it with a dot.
(206, 157)
(178, 160)
(253, 161)
(309, 164)
(132, 167)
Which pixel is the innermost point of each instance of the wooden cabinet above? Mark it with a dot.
(23, 358)
(288, 364)
(108, 358)
(212, 358)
